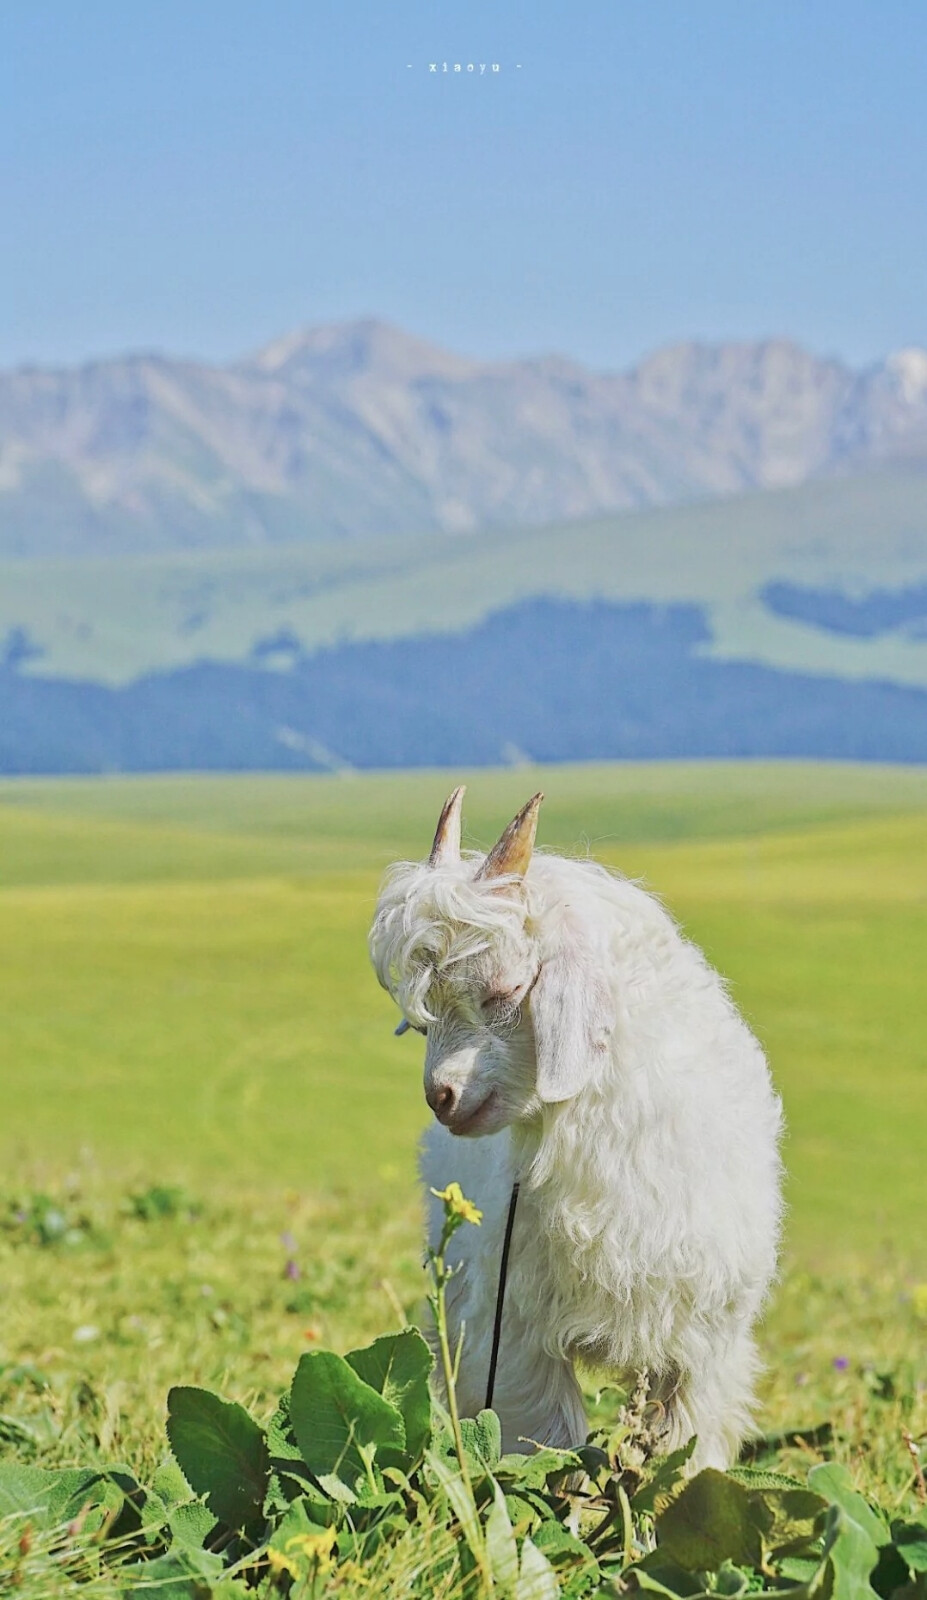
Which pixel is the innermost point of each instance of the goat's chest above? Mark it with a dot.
(553, 1281)
(583, 1292)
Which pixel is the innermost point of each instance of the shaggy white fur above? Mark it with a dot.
(577, 1040)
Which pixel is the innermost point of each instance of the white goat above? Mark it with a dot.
(578, 1042)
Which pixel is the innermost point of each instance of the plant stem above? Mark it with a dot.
(440, 1274)
(447, 1364)
(627, 1526)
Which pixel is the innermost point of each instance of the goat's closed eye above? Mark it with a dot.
(499, 1004)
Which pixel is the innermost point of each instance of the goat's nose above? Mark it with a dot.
(442, 1099)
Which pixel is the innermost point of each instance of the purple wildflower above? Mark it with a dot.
(841, 1363)
(287, 1240)
(291, 1270)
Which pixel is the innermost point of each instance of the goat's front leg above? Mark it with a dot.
(710, 1396)
(536, 1395)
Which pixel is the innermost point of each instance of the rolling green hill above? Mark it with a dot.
(109, 621)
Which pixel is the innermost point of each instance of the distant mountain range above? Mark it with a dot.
(353, 549)
(360, 431)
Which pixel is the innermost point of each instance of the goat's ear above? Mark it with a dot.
(572, 1014)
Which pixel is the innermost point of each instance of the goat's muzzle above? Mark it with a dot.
(456, 1116)
(442, 1099)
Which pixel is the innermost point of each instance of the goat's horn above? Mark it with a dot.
(512, 854)
(446, 848)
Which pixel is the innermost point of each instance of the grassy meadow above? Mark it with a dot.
(208, 1129)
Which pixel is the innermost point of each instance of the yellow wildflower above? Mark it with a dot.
(457, 1205)
(279, 1563)
(919, 1298)
(315, 1546)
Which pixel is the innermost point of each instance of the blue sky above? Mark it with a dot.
(198, 176)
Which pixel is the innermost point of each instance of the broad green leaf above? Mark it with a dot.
(662, 1576)
(534, 1502)
(799, 1569)
(324, 1513)
(708, 1523)
(191, 1524)
(332, 1486)
(398, 1367)
(170, 1485)
(26, 1489)
(295, 1522)
(891, 1573)
(667, 1475)
(911, 1541)
(112, 1503)
(285, 1486)
(835, 1484)
(370, 1484)
(482, 1437)
(221, 1452)
(179, 1575)
(651, 1584)
(501, 1548)
(333, 1412)
(536, 1579)
(796, 1505)
(54, 1496)
(44, 1493)
(853, 1555)
(732, 1581)
(289, 1475)
(762, 1478)
(788, 1518)
(533, 1471)
(281, 1441)
(594, 1459)
(566, 1553)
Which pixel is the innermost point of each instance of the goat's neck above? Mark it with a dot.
(567, 1154)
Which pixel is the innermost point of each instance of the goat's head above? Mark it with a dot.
(501, 984)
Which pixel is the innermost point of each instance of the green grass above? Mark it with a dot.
(185, 985)
(186, 998)
(80, 830)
